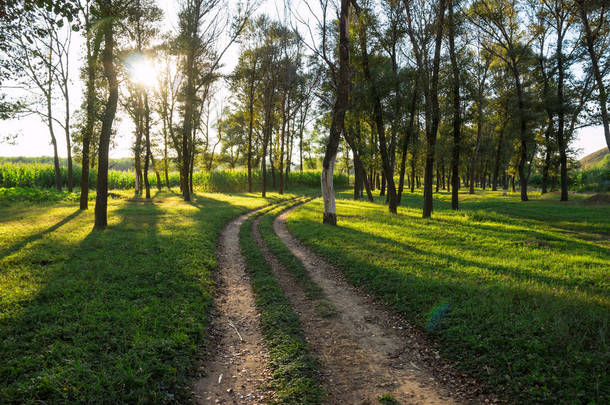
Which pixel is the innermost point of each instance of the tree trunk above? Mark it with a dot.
(49, 101)
(561, 143)
(282, 142)
(457, 120)
(101, 200)
(522, 133)
(338, 118)
(603, 97)
(405, 145)
(378, 113)
(498, 158)
(250, 129)
(68, 141)
(433, 122)
(189, 100)
(147, 140)
(358, 169)
(90, 121)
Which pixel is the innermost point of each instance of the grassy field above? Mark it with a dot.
(113, 316)
(516, 293)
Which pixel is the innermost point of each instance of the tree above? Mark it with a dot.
(457, 119)
(93, 40)
(424, 32)
(501, 24)
(592, 39)
(42, 61)
(378, 113)
(109, 12)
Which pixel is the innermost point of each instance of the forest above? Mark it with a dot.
(304, 201)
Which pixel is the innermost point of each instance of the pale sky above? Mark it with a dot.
(34, 140)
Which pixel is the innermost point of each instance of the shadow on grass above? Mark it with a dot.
(519, 330)
(123, 319)
(18, 246)
(542, 211)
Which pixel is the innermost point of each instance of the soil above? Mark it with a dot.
(236, 363)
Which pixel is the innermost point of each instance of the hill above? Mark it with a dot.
(593, 158)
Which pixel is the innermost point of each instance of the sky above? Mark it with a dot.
(33, 135)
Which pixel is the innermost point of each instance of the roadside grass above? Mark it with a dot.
(295, 371)
(518, 294)
(322, 305)
(112, 316)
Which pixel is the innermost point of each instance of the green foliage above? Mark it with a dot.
(295, 376)
(596, 178)
(523, 288)
(14, 194)
(115, 316)
(43, 176)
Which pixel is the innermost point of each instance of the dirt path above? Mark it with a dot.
(236, 363)
(365, 351)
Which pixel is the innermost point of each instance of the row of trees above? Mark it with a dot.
(469, 92)
(121, 40)
(453, 92)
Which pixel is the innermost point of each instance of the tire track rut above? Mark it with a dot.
(236, 362)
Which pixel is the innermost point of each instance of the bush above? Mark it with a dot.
(594, 179)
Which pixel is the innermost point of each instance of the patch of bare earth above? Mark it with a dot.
(365, 351)
(236, 362)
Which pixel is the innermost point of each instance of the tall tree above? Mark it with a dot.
(426, 32)
(592, 41)
(93, 39)
(377, 111)
(457, 119)
(108, 11)
(502, 25)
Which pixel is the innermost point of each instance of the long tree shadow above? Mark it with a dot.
(122, 320)
(24, 242)
(509, 325)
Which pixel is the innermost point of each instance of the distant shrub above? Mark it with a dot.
(595, 179)
(43, 176)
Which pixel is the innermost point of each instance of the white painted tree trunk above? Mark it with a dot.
(328, 193)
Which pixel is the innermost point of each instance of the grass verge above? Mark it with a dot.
(516, 293)
(322, 305)
(295, 372)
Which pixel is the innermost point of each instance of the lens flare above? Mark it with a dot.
(141, 70)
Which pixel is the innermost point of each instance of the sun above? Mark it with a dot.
(141, 70)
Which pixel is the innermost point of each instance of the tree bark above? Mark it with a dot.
(90, 119)
(431, 132)
(147, 140)
(101, 201)
(603, 97)
(377, 111)
(405, 144)
(338, 118)
(457, 120)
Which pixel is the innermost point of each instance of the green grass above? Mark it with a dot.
(113, 316)
(295, 371)
(515, 293)
(293, 264)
